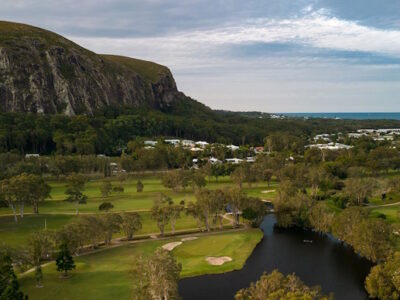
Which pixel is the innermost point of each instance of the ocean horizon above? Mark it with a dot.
(347, 115)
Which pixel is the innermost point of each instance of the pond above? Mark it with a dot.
(324, 261)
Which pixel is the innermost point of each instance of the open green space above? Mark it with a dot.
(391, 212)
(105, 274)
(17, 234)
(56, 212)
(130, 199)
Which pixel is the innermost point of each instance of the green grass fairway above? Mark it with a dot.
(17, 234)
(58, 212)
(391, 212)
(105, 275)
(238, 246)
(129, 200)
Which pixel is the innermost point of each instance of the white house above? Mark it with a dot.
(356, 135)
(233, 147)
(250, 159)
(213, 160)
(330, 146)
(324, 137)
(201, 144)
(31, 155)
(172, 141)
(234, 161)
(150, 143)
(196, 149)
(187, 143)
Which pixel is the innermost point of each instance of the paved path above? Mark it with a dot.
(383, 205)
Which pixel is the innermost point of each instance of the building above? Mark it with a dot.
(150, 143)
(31, 155)
(330, 146)
(232, 147)
(250, 159)
(172, 141)
(202, 144)
(188, 143)
(196, 149)
(234, 161)
(323, 137)
(213, 161)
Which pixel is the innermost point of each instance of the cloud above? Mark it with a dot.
(317, 29)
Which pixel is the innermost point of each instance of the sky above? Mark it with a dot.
(252, 55)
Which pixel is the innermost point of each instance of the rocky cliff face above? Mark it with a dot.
(42, 72)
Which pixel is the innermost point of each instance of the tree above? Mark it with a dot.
(239, 175)
(130, 224)
(40, 248)
(111, 223)
(276, 286)
(194, 210)
(24, 189)
(8, 196)
(254, 211)
(105, 188)
(161, 212)
(383, 281)
(139, 186)
(156, 277)
(369, 237)
(204, 206)
(171, 180)
(198, 180)
(9, 286)
(175, 213)
(106, 206)
(316, 177)
(291, 207)
(358, 189)
(218, 206)
(236, 201)
(320, 218)
(64, 260)
(75, 186)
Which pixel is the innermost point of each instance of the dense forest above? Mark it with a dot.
(111, 128)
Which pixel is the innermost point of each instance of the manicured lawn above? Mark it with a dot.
(391, 212)
(17, 234)
(105, 275)
(130, 199)
(238, 246)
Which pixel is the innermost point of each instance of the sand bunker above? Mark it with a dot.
(190, 238)
(268, 191)
(171, 246)
(218, 261)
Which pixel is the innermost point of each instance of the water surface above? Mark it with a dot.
(325, 262)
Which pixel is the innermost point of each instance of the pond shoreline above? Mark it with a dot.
(326, 262)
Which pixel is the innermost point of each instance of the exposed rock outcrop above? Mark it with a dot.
(42, 72)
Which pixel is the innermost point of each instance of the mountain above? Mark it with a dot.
(43, 72)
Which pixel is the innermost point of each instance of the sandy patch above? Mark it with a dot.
(171, 246)
(268, 191)
(218, 261)
(189, 238)
(153, 237)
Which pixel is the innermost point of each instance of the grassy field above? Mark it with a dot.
(105, 275)
(391, 212)
(17, 234)
(56, 212)
(129, 200)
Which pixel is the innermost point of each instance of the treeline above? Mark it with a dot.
(111, 129)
